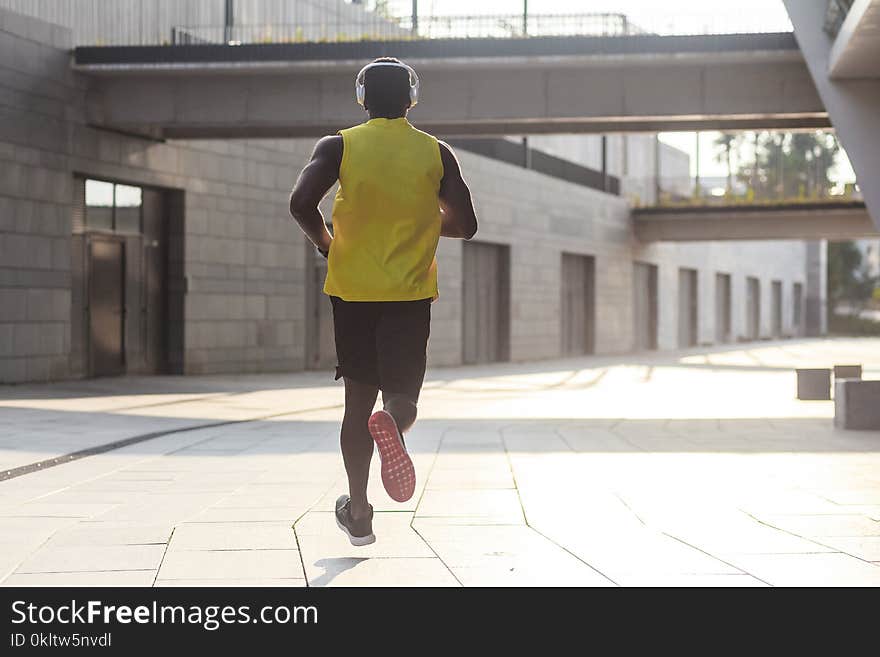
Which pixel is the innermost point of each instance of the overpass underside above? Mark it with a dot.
(469, 87)
(832, 221)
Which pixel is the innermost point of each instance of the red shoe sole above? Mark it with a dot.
(398, 473)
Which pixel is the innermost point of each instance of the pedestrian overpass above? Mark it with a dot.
(536, 85)
(485, 86)
(832, 220)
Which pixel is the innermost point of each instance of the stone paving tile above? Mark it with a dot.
(281, 495)
(487, 506)
(399, 557)
(362, 571)
(854, 495)
(741, 537)
(643, 551)
(14, 529)
(863, 547)
(709, 581)
(260, 583)
(93, 558)
(464, 479)
(645, 452)
(825, 525)
(230, 564)
(809, 569)
(56, 510)
(287, 514)
(504, 556)
(110, 533)
(233, 536)
(104, 578)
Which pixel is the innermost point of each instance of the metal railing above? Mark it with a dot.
(686, 191)
(163, 22)
(397, 29)
(767, 168)
(522, 155)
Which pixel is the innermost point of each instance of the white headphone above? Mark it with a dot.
(361, 91)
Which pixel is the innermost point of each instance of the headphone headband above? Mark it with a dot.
(360, 87)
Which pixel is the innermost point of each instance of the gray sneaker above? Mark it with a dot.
(359, 532)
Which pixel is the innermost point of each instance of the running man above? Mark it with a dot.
(400, 190)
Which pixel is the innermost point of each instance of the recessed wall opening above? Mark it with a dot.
(127, 279)
(723, 307)
(753, 308)
(485, 302)
(645, 306)
(687, 307)
(776, 308)
(577, 316)
(797, 311)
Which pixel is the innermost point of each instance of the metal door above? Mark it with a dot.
(722, 308)
(484, 302)
(776, 290)
(645, 306)
(106, 306)
(797, 320)
(687, 307)
(753, 308)
(577, 304)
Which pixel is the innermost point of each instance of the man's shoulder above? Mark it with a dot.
(329, 146)
(330, 141)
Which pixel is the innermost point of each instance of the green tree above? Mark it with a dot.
(848, 279)
(725, 143)
(784, 165)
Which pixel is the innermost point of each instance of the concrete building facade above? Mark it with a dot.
(236, 285)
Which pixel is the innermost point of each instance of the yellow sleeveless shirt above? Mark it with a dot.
(386, 214)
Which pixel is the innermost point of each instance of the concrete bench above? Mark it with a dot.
(847, 372)
(857, 404)
(814, 383)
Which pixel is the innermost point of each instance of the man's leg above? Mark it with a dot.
(401, 342)
(402, 408)
(356, 442)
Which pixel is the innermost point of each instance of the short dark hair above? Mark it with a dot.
(387, 87)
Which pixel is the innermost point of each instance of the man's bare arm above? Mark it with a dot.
(316, 179)
(459, 219)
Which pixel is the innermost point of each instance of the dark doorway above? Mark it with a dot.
(645, 306)
(776, 293)
(723, 324)
(753, 308)
(797, 311)
(687, 307)
(106, 309)
(577, 319)
(127, 279)
(485, 302)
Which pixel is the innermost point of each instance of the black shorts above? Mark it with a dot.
(383, 343)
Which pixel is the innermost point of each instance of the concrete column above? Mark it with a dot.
(816, 291)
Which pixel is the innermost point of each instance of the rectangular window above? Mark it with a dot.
(113, 208)
(127, 209)
(99, 205)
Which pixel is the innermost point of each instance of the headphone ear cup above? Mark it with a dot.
(413, 95)
(360, 91)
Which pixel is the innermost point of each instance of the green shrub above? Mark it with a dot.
(852, 325)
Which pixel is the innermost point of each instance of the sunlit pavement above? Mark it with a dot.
(689, 469)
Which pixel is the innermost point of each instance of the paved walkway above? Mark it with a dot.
(697, 469)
